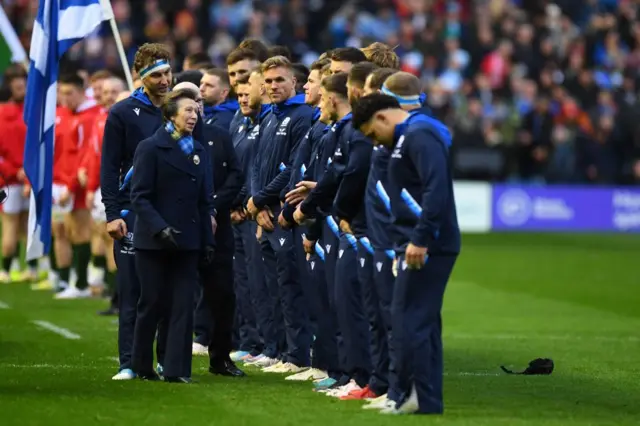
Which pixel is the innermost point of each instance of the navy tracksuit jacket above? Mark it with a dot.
(281, 132)
(221, 115)
(129, 122)
(420, 188)
(257, 289)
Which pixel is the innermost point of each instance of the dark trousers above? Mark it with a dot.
(263, 291)
(304, 276)
(379, 349)
(278, 249)
(202, 324)
(220, 299)
(245, 265)
(352, 322)
(383, 352)
(167, 282)
(330, 244)
(417, 328)
(128, 294)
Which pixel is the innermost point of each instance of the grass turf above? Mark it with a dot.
(573, 298)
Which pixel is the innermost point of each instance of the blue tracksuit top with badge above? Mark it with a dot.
(380, 231)
(129, 122)
(349, 202)
(281, 132)
(221, 115)
(420, 186)
(303, 160)
(329, 171)
(244, 135)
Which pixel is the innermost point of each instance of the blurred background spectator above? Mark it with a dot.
(533, 90)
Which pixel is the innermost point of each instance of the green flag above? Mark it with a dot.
(11, 49)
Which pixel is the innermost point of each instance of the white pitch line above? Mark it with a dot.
(4, 305)
(540, 337)
(58, 330)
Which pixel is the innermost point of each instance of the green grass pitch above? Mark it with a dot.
(513, 298)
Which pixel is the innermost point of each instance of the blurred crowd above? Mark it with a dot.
(533, 90)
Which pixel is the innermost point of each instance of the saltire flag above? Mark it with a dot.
(11, 50)
(58, 26)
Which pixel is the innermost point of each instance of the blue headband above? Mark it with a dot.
(402, 100)
(159, 65)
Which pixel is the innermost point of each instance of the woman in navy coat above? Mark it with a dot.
(170, 195)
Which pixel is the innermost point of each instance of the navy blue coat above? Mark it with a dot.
(419, 164)
(168, 188)
(129, 122)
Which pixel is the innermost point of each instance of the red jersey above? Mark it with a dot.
(73, 133)
(12, 138)
(92, 160)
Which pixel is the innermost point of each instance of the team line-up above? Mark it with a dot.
(301, 221)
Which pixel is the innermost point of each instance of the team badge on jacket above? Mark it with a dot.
(196, 160)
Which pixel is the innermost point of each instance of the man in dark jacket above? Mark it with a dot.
(427, 242)
(129, 122)
(280, 135)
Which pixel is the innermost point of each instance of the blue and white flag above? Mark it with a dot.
(58, 26)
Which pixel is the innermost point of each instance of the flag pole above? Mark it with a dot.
(108, 14)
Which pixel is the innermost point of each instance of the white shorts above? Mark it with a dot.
(15, 202)
(58, 212)
(98, 211)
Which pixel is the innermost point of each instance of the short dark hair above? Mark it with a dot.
(300, 71)
(149, 53)
(379, 76)
(221, 74)
(197, 58)
(347, 54)
(319, 64)
(336, 83)
(260, 49)
(279, 50)
(170, 104)
(360, 72)
(365, 107)
(192, 76)
(240, 54)
(13, 72)
(72, 78)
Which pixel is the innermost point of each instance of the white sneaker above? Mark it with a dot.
(125, 374)
(265, 362)
(310, 374)
(4, 277)
(95, 275)
(199, 350)
(273, 368)
(254, 359)
(290, 367)
(379, 403)
(73, 293)
(344, 390)
(410, 406)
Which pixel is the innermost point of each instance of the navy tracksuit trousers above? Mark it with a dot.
(279, 254)
(417, 327)
(352, 323)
